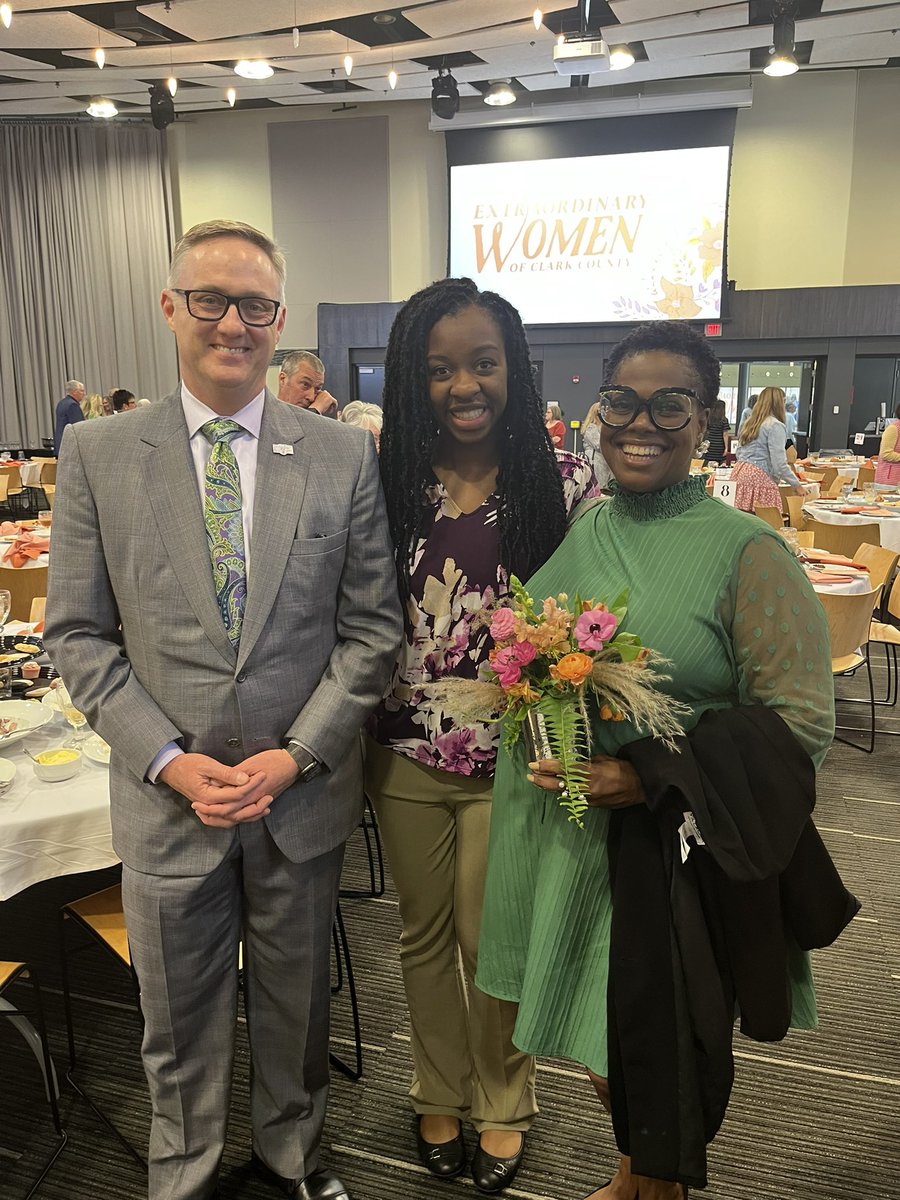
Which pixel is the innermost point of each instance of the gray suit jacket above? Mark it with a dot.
(134, 628)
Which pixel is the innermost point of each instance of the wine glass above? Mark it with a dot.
(74, 716)
(5, 605)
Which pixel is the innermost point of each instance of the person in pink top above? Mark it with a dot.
(887, 469)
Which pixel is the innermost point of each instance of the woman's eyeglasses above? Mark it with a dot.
(669, 408)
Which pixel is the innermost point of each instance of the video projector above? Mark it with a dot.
(580, 54)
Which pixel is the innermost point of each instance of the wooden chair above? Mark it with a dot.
(826, 479)
(4, 493)
(24, 584)
(795, 512)
(38, 610)
(771, 516)
(887, 633)
(786, 490)
(849, 618)
(881, 565)
(16, 972)
(834, 489)
(48, 472)
(50, 493)
(866, 475)
(14, 490)
(843, 539)
(100, 916)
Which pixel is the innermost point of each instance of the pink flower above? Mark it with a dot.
(503, 624)
(594, 628)
(509, 661)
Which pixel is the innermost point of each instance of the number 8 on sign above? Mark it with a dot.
(723, 489)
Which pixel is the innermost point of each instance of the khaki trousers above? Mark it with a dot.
(435, 827)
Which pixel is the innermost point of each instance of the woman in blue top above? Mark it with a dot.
(761, 460)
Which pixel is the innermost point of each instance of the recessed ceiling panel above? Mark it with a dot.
(628, 11)
(78, 74)
(550, 82)
(41, 108)
(867, 47)
(726, 16)
(830, 6)
(643, 72)
(447, 17)
(265, 46)
(204, 19)
(11, 64)
(56, 31)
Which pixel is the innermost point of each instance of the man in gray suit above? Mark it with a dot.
(223, 606)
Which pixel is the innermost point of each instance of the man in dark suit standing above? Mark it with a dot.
(68, 411)
(223, 607)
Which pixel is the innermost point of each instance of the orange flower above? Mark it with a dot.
(523, 691)
(678, 301)
(572, 668)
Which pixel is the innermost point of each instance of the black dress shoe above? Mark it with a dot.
(444, 1159)
(320, 1185)
(494, 1174)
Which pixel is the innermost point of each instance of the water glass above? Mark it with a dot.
(870, 492)
(45, 516)
(790, 536)
(74, 716)
(5, 605)
(6, 673)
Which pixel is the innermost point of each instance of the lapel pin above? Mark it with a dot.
(282, 448)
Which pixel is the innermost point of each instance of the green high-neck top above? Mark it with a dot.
(716, 592)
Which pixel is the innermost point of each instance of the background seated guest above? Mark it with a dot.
(746, 411)
(364, 416)
(621, 954)
(301, 381)
(122, 400)
(887, 469)
(68, 411)
(92, 407)
(761, 460)
(556, 426)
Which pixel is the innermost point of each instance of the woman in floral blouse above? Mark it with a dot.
(475, 492)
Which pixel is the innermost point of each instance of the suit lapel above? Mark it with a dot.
(171, 485)
(280, 484)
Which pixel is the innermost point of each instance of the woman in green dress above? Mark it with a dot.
(718, 594)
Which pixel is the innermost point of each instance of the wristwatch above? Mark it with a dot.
(308, 766)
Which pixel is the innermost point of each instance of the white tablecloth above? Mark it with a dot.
(889, 525)
(52, 829)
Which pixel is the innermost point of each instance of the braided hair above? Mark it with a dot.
(675, 338)
(531, 513)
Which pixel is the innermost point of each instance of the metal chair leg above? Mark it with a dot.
(342, 952)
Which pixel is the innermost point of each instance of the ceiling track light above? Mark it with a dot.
(254, 68)
(782, 60)
(499, 94)
(348, 64)
(537, 16)
(5, 14)
(620, 58)
(231, 96)
(100, 57)
(101, 108)
(444, 95)
(172, 85)
(392, 78)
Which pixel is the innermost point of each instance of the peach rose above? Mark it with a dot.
(572, 668)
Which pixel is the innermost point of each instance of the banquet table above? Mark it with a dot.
(886, 517)
(30, 473)
(52, 829)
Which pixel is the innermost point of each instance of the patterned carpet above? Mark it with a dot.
(814, 1118)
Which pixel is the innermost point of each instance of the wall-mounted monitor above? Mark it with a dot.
(598, 239)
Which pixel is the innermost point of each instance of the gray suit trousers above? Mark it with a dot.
(284, 912)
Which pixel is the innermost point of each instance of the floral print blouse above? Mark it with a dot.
(456, 575)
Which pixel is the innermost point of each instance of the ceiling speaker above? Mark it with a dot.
(162, 107)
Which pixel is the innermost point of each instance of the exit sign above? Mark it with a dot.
(714, 329)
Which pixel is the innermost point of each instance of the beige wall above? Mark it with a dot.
(220, 166)
(815, 181)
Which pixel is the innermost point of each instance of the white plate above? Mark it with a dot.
(30, 716)
(96, 749)
(7, 773)
(51, 701)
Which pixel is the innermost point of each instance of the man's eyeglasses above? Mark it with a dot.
(212, 306)
(669, 408)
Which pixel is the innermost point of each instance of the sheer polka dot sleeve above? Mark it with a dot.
(780, 637)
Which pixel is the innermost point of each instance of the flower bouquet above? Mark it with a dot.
(544, 668)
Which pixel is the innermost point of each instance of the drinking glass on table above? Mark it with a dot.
(74, 716)
(45, 516)
(870, 492)
(5, 605)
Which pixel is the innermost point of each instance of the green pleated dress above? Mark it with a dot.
(717, 593)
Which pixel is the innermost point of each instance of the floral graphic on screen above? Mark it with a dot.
(678, 301)
(709, 246)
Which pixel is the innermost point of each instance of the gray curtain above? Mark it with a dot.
(85, 237)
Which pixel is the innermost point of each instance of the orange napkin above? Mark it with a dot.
(823, 556)
(25, 547)
(826, 577)
(867, 511)
(39, 627)
(9, 529)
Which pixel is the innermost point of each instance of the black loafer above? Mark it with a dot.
(320, 1185)
(444, 1159)
(494, 1174)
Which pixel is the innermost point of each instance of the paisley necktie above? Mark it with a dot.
(225, 525)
